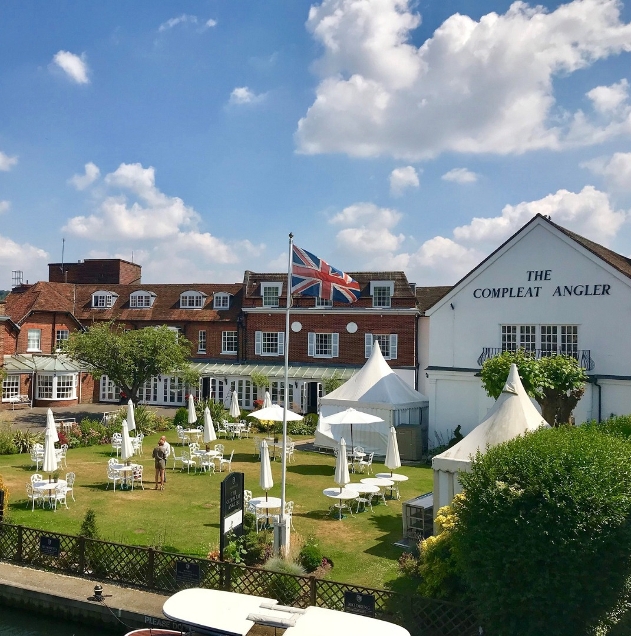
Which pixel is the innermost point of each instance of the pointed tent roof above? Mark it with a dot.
(376, 385)
(512, 414)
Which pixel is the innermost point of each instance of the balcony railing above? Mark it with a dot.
(583, 356)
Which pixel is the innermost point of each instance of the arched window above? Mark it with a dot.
(192, 300)
(103, 299)
(141, 299)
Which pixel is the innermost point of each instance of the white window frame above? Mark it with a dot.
(228, 337)
(10, 387)
(259, 343)
(201, 341)
(50, 384)
(323, 302)
(109, 392)
(549, 338)
(381, 284)
(221, 300)
(268, 286)
(192, 299)
(34, 340)
(315, 345)
(141, 299)
(103, 299)
(58, 340)
(393, 343)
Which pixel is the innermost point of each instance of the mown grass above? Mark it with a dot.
(185, 517)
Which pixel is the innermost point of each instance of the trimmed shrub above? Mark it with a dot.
(7, 443)
(543, 535)
(310, 556)
(181, 418)
(283, 586)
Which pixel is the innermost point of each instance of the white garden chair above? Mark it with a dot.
(226, 462)
(136, 476)
(176, 458)
(33, 496)
(59, 497)
(188, 461)
(113, 475)
(70, 479)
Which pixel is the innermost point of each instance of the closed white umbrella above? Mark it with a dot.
(50, 425)
(209, 429)
(192, 414)
(266, 481)
(127, 450)
(131, 418)
(393, 460)
(235, 411)
(267, 400)
(50, 458)
(341, 466)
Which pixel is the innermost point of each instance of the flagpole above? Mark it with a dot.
(284, 455)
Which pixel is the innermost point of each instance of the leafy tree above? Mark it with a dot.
(89, 528)
(260, 380)
(130, 358)
(543, 537)
(3, 375)
(557, 382)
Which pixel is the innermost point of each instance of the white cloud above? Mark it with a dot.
(402, 178)
(210, 23)
(460, 175)
(609, 98)
(82, 181)
(173, 22)
(616, 169)
(6, 162)
(588, 212)
(243, 95)
(4, 206)
(73, 65)
(28, 258)
(367, 229)
(474, 86)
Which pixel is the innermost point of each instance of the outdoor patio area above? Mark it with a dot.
(185, 516)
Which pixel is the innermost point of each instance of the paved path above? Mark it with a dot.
(35, 419)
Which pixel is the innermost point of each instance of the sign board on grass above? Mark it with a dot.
(231, 518)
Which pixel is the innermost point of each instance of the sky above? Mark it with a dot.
(193, 137)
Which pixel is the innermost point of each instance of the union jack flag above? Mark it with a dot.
(311, 276)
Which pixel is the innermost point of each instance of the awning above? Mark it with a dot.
(300, 372)
(27, 363)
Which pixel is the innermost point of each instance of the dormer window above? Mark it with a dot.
(271, 294)
(192, 300)
(381, 292)
(141, 299)
(103, 299)
(221, 300)
(323, 302)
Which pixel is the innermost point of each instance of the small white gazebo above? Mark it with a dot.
(512, 414)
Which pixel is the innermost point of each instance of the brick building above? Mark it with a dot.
(235, 330)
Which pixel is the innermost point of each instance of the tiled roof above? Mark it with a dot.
(166, 306)
(426, 297)
(617, 261)
(252, 282)
(77, 300)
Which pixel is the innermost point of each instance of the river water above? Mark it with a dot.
(19, 623)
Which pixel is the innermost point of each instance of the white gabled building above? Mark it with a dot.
(546, 289)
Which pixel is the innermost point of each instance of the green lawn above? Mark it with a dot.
(185, 517)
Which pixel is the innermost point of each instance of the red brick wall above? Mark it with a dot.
(351, 345)
(96, 271)
(49, 323)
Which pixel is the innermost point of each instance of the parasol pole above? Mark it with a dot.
(284, 450)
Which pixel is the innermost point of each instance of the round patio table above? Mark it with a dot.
(48, 487)
(126, 471)
(260, 503)
(381, 482)
(363, 489)
(395, 477)
(342, 494)
(210, 454)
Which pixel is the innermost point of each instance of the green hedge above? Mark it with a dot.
(544, 532)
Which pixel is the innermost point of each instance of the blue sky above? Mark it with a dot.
(385, 134)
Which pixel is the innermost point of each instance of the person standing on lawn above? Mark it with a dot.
(167, 454)
(160, 462)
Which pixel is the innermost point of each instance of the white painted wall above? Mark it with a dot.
(457, 335)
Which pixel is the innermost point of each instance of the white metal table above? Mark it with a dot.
(381, 482)
(396, 478)
(363, 489)
(48, 487)
(342, 495)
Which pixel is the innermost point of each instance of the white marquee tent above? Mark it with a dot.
(378, 390)
(512, 414)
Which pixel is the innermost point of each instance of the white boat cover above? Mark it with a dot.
(374, 389)
(512, 414)
(219, 612)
